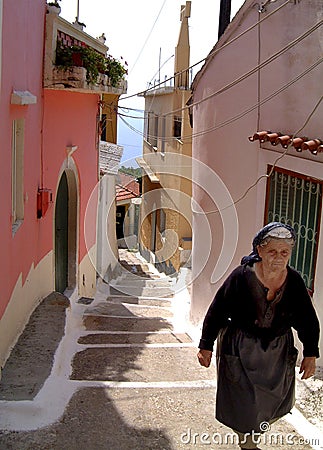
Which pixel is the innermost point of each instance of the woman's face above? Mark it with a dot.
(275, 255)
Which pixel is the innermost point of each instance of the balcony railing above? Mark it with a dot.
(62, 35)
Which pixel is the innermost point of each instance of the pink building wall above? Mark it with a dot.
(224, 124)
(22, 52)
(57, 120)
(70, 119)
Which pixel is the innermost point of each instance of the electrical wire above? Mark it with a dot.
(230, 85)
(149, 34)
(133, 128)
(237, 116)
(212, 53)
(253, 70)
(272, 168)
(256, 105)
(131, 109)
(250, 72)
(165, 62)
(131, 117)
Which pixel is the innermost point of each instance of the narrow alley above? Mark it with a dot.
(125, 375)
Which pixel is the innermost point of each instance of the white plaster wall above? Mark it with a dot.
(24, 299)
(226, 152)
(107, 250)
(87, 274)
(226, 149)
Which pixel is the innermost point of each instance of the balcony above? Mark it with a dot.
(76, 61)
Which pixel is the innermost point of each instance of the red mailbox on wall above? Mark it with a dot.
(44, 198)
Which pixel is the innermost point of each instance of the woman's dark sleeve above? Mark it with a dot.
(306, 322)
(218, 314)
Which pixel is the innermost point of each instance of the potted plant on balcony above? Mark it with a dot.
(81, 56)
(115, 70)
(95, 63)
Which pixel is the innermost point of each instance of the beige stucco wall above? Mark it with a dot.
(24, 299)
(173, 169)
(223, 144)
(107, 250)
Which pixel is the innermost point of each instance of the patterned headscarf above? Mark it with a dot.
(276, 230)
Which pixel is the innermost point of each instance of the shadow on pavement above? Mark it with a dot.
(91, 422)
(30, 362)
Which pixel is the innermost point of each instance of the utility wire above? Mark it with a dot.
(272, 168)
(213, 52)
(131, 109)
(239, 115)
(253, 70)
(155, 74)
(149, 34)
(262, 102)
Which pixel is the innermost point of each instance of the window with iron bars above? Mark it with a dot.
(296, 199)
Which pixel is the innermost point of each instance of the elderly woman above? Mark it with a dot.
(252, 316)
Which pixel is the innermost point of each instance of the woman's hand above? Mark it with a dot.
(204, 357)
(308, 367)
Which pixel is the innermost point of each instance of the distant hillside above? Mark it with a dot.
(136, 172)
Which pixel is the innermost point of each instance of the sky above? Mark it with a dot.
(144, 33)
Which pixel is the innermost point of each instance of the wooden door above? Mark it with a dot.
(61, 236)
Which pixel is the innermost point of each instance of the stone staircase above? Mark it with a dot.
(130, 337)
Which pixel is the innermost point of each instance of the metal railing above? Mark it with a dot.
(297, 200)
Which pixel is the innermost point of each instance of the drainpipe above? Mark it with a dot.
(225, 15)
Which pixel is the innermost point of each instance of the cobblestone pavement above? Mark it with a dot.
(124, 375)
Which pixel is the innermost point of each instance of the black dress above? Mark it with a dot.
(255, 353)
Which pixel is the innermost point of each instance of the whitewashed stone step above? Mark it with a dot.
(128, 310)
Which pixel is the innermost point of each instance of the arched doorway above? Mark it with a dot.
(65, 232)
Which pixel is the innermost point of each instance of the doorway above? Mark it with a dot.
(121, 212)
(65, 233)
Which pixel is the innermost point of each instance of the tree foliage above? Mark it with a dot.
(136, 172)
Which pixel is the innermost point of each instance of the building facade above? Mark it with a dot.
(257, 113)
(166, 233)
(128, 199)
(50, 118)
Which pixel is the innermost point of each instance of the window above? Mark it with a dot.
(17, 172)
(162, 221)
(103, 127)
(178, 127)
(163, 134)
(154, 137)
(151, 129)
(296, 199)
(146, 124)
